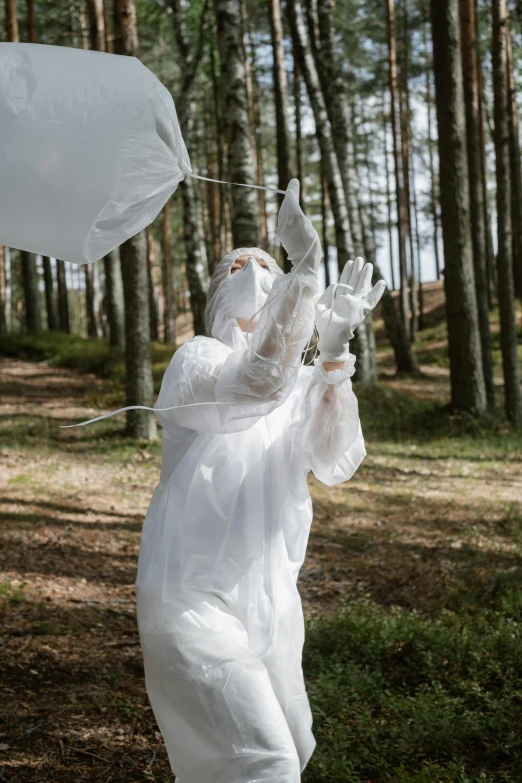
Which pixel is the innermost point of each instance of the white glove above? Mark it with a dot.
(343, 307)
(296, 233)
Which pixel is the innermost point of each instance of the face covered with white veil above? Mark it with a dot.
(237, 294)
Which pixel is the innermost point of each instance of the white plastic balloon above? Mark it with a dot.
(90, 150)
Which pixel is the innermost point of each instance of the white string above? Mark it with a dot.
(240, 184)
(139, 408)
(213, 402)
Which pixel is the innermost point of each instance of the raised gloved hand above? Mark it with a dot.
(343, 307)
(297, 234)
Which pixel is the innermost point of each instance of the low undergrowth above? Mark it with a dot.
(402, 698)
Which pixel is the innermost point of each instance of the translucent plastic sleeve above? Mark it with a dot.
(326, 428)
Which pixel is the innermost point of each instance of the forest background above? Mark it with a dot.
(400, 119)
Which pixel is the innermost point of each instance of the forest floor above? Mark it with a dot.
(430, 524)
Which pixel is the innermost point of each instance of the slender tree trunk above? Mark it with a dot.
(153, 304)
(402, 210)
(324, 133)
(50, 298)
(221, 250)
(467, 378)
(114, 298)
(516, 167)
(31, 22)
(434, 209)
(97, 37)
(252, 82)
(420, 292)
(404, 118)
(33, 318)
(139, 386)
(8, 291)
(483, 164)
(169, 321)
(245, 207)
(324, 220)
(388, 197)
(298, 131)
(476, 188)
(11, 21)
(106, 27)
(284, 169)
(3, 308)
(196, 260)
(508, 330)
(63, 298)
(90, 303)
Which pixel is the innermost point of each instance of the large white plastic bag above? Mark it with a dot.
(90, 150)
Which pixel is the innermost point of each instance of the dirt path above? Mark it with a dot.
(413, 528)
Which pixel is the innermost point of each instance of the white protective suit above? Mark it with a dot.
(219, 613)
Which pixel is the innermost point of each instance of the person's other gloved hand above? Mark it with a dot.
(343, 307)
(297, 233)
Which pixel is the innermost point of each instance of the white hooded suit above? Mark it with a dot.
(219, 614)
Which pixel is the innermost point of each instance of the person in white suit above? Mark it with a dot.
(219, 613)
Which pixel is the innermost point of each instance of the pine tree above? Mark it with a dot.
(139, 386)
(508, 330)
(467, 379)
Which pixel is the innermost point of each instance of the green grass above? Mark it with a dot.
(401, 698)
(85, 354)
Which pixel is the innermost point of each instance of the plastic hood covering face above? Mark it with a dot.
(219, 613)
(91, 150)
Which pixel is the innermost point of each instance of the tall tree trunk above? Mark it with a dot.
(508, 330)
(324, 221)
(516, 167)
(106, 27)
(284, 166)
(196, 261)
(97, 35)
(433, 176)
(98, 38)
(153, 305)
(245, 206)
(139, 386)
(402, 209)
(169, 320)
(420, 291)
(307, 67)
(483, 164)
(114, 298)
(220, 155)
(90, 301)
(31, 22)
(252, 82)
(404, 118)
(476, 189)
(340, 117)
(63, 298)
(8, 290)
(11, 21)
(33, 317)
(467, 379)
(388, 195)
(50, 298)
(298, 131)
(3, 308)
